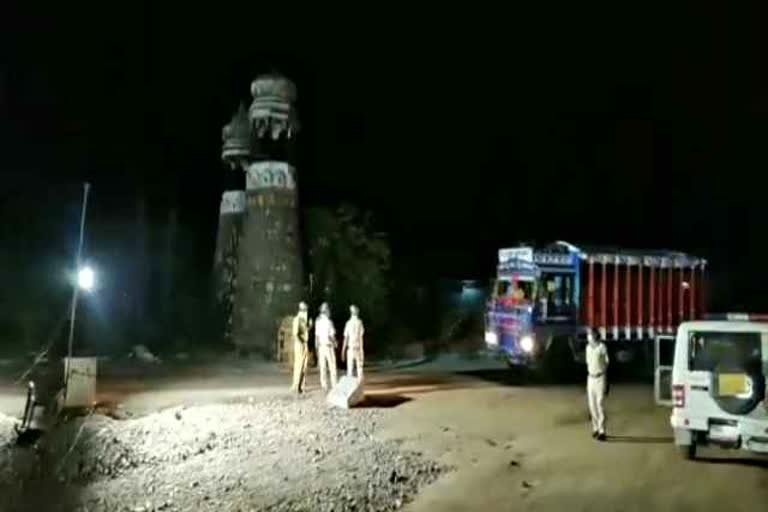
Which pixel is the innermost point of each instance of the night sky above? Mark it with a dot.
(463, 131)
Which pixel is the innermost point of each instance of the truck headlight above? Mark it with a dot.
(491, 338)
(527, 343)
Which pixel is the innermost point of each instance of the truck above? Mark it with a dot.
(544, 301)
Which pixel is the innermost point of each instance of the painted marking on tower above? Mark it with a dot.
(232, 201)
(269, 175)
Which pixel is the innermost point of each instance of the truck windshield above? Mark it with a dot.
(515, 290)
(727, 351)
(556, 295)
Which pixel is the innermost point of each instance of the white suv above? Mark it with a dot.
(719, 386)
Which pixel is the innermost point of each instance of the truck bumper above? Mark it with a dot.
(511, 357)
(516, 357)
(507, 346)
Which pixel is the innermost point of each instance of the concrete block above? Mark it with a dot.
(347, 393)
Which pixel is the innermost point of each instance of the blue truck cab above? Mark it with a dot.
(534, 302)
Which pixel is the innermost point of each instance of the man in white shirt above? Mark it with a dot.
(325, 345)
(597, 364)
(353, 342)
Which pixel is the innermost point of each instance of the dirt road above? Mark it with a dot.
(511, 447)
(529, 448)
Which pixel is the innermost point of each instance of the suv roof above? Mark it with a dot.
(724, 325)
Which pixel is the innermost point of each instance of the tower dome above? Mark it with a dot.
(272, 112)
(275, 86)
(236, 138)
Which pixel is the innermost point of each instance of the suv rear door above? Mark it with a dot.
(663, 359)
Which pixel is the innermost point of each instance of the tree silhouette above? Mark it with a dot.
(349, 263)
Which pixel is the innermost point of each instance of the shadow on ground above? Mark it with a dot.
(755, 463)
(383, 400)
(640, 439)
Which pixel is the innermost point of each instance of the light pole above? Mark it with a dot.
(85, 279)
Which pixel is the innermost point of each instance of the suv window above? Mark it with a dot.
(731, 351)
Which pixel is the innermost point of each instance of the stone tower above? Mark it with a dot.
(258, 266)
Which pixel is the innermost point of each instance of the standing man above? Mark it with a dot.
(300, 332)
(353, 342)
(325, 345)
(597, 364)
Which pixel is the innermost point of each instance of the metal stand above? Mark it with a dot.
(76, 288)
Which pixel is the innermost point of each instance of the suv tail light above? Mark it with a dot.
(678, 395)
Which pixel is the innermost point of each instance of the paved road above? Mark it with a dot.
(513, 447)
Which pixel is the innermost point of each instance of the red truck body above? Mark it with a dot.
(637, 295)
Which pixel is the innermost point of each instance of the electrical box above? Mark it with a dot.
(80, 378)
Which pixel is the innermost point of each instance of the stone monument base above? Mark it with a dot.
(348, 392)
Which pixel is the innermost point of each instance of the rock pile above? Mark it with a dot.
(280, 454)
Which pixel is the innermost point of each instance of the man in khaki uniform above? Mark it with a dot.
(325, 344)
(352, 347)
(300, 331)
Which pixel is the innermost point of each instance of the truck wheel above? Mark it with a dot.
(559, 363)
(688, 451)
(517, 374)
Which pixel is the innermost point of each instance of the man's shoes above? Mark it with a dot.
(601, 436)
(594, 434)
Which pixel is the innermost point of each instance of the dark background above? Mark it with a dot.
(462, 130)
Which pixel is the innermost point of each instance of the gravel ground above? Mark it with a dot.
(280, 454)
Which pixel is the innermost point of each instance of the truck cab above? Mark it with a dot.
(534, 303)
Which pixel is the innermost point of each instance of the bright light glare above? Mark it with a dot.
(526, 343)
(86, 279)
